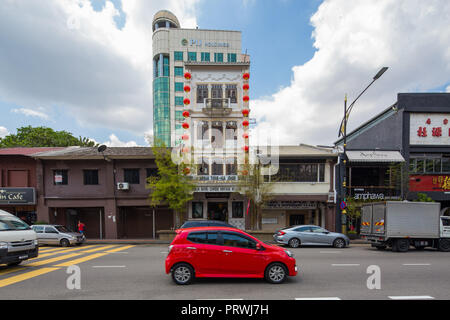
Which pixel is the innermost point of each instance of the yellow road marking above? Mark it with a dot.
(10, 270)
(62, 251)
(80, 260)
(50, 249)
(40, 263)
(120, 249)
(98, 249)
(25, 276)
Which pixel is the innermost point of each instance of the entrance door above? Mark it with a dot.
(218, 211)
(296, 219)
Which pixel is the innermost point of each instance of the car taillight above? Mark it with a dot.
(281, 233)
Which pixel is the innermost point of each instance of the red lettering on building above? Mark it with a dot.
(437, 132)
(422, 132)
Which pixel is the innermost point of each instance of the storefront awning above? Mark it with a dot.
(375, 156)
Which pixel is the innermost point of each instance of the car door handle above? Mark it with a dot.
(191, 248)
(227, 251)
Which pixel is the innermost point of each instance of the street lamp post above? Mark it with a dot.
(342, 187)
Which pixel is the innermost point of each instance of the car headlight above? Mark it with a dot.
(3, 245)
(36, 242)
(289, 254)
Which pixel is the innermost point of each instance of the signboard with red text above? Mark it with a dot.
(439, 183)
(430, 129)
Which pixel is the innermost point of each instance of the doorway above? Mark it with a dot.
(218, 211)
(296, 219)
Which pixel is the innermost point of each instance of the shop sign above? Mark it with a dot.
(291, 204)
(22, 196)
(440, 183)
(215, 189)
(430, 129)
(216, 179)
(269, 220)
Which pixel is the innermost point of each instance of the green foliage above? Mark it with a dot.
(171, 186)
(43, 137)
(423, 197)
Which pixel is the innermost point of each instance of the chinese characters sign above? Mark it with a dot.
(430, 129)
(429, 183)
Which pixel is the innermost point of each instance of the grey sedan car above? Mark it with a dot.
(57, 234)
(310, 235)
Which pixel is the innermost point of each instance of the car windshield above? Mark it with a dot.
(62, 229)
(10, 223)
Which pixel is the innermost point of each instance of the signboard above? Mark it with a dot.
(269, 221)
(291, 204)
(213, 179)
(215, 189)
(439, 183)
(22, 196)
(429, 129)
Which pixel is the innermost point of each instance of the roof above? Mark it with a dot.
(166, 15)
(77, 153)
(24, 151)
(305, 150)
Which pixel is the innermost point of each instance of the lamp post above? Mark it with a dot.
(342, 187)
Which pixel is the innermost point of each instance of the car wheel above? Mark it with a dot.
(182, 274)
(339, 243)
(294, 243)
(275, 273)
(65, 243)
(16, 263)
(444, 245)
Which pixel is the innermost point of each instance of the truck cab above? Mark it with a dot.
(18, 241)
(445, 227)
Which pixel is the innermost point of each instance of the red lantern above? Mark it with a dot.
(187, 89)
(186, 125)
(186, 171)
(244, 172)
(187, 101)
(185, 137)
(245, 123)
(245, 148)
(245, 112)
(187, 76)
(246, 86)
(445, 121)
(186, 114)
(246, 98)
(245, 136)
(246, 76)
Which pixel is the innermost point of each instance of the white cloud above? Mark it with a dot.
(114, 141)
(64, 55)
(448, 89)
(31, 113)
(3, 132)
(354, 39)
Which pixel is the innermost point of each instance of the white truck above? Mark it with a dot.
(401, 224)
(18, 241)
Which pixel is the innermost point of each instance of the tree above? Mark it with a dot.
(43, 137)
(256, 190)
(171, 186)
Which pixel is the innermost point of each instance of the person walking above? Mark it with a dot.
(81, 227)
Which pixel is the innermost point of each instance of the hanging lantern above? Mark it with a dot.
(185, 150)
(246, 86)
(245, 148)
(187, 89)
(187, 76)
(185, 137)
(245, 135)
(185, 125)
(445, 121)
(246, 98)
(187, 102)
(245, 112)
(244, 172)
(245, 123)
(186, 114)
(186, 170)
(246, 76)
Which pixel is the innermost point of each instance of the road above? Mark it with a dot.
(137, 272)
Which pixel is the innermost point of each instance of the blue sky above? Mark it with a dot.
(92, 76)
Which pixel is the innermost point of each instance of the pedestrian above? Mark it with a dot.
(81, 227)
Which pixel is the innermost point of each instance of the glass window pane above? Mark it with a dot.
(197, 237)
(197, 210)
(235, 240)
(237, 209)
(178, 56)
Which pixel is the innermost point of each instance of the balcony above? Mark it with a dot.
(217, 107)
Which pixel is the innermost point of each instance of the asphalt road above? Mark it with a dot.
(137, 272)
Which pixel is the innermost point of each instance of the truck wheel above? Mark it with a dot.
(444, 245)
(402, 245)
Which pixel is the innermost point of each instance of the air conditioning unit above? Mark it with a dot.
(123, 186)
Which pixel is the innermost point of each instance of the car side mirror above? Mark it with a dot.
(258, 246)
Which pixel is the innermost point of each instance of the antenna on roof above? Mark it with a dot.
(101, 149)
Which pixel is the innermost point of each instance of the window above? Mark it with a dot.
(231, 57)
(217, 134)
(202, 93)
(178, 55)
(197, 210)
(179, 115)
(303, 229)
(237, 210)
(179, 87)
(90, 177)
(429, 165)
(236, 240)
(203, 168)
(50, 230)
(192, 56)
(231, 166)
(197, 237)
(60, 177)
(216, 91)
(212, 238)
(179, 101)
(231, 93)
(218, 57)
(217, 167)
(303, 172)
(38, 229)
(178, 71)
(317, 230)
(12, 223)
(206, 56)
(445, 221)
(131, 176)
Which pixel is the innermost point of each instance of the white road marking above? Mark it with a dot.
(410, 297)
(345, 265)
(109, 266)
(330, 251)
(220, 299)
(322, 298)
(417, 264)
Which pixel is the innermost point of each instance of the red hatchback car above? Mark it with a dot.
(221, 252)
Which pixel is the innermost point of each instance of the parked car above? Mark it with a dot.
(205, 223)
(18, 241)
(57, 234)
(220, 252)
(310, 235)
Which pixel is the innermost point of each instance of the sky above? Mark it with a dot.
(85, 66)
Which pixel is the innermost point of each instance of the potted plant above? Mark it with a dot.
(352, 234)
